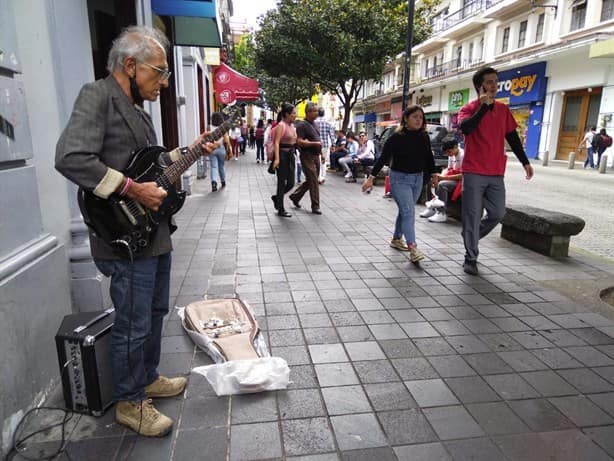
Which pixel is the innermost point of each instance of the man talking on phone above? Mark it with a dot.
(486, 124)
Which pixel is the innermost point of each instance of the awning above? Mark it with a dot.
(194, 21)
(230, 86)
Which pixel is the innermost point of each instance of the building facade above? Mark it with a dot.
(48, 50)
(554, 62)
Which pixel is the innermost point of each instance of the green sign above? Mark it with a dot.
(458, 99)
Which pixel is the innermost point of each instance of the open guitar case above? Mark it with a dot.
(228, 332)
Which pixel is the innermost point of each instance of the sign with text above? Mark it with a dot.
(523, 84)
(457, 99)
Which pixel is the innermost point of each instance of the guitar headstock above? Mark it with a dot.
(233, 113)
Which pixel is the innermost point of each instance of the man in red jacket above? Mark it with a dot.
(486, 124)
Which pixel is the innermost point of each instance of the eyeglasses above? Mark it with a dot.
(164, 74)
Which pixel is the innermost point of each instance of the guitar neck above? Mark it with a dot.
(176, 169)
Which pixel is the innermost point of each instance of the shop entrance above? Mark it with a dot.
(580, 111)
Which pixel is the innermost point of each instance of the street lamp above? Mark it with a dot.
(410, 38)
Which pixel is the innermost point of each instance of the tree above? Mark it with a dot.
(278, 89)
(338, 44)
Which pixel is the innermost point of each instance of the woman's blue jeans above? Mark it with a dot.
(217, 158)
(140, 295)
(405, 189)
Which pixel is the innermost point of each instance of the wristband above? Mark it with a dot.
(126, 187)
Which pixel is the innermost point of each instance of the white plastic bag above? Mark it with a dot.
(247, 376)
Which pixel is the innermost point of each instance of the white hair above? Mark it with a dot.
(139, 42)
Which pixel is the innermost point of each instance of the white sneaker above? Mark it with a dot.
(427, 204)
(484, 213)
(348, 175)
(440, 216)
(428, 213)
(436, 203)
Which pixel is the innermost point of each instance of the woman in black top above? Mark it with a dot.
(409, 152)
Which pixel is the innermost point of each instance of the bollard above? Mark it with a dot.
(545, 159)
(603, 164)
(572, 160)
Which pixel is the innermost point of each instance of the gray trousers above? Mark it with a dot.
(445, 188)
(480, 192)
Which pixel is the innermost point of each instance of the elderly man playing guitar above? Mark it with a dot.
(99, 145)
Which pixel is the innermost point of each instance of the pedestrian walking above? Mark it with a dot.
(310, 147)
(486, 124)
(328, 138)
(218, 156)
(587, 143)
(408, 151)
(259, 138)
(284, 141)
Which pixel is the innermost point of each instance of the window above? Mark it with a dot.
(470, 53)
(459, 56)
(481, 55)
(607, 10)
(505, 42)
(522, 34)
(539, 31)
(578, 14)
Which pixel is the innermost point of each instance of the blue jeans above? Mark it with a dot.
(589, 158)
(217, 158)
(140, 294)
(405, 189)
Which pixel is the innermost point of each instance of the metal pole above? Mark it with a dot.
(410, 38)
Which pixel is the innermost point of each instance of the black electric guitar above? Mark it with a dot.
(125, 224)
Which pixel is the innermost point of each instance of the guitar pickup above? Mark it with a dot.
(127, 213)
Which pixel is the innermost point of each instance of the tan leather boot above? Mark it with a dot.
(166, 387)
(143, 418)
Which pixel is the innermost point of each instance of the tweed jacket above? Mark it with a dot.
(103, 131)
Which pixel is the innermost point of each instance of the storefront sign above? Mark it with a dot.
(523, 84)
(383, 106)
(458, 99)
(424, 101)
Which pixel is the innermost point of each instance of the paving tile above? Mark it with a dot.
(399, 348)
(341, 319)
(540, 415)
(294, 355)
(569, 445)
(435, 313)
(487, 363)
(354, 333)
(358, 431)
(499, 342)
(406, 427)
(567, 321)
(586, 380)
(548, 383)
(414, 368)
(336, 374)
(451, 365)
(562, 338)
(472, 389)
(389, 396)
(136, 447)
(307, 436)
(602, 436)
(369, 350)
(419, 330)
(480, 449)
(346, 399)
(431, 392)
(509, 324)
(605, 372)
(302, 376)
(388, 331)
(407, 315)
(327, 353)
(496, 418)
(376, 371)
(531, 339)
(522, 361)
(450, 327)
(605, 401)
(300, 403)
(253, 441)
(539, 322)
(468, 344)
(590, 356)
(592, 336)
(203, 412)
(434, 346)
(452, 423)
(250, 408)
(556, 358)
(278, 338)
(425, 451)
(326, 335)
(464, 312)
(511, 386)
(481, 326)
(581, 411)
(368, 454)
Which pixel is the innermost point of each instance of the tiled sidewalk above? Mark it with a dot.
(388, 360)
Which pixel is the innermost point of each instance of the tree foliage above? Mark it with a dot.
(338, 44)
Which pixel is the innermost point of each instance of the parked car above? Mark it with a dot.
(437, 133)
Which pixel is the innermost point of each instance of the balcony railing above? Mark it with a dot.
(449, 68)
(470, 10)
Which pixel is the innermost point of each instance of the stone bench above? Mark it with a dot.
(543, 231)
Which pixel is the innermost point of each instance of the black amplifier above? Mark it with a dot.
(83, 342)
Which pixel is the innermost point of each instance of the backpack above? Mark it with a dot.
(269, 144)
(606, 140)
(596, 142)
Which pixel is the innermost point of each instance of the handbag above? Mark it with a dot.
(271, 169)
